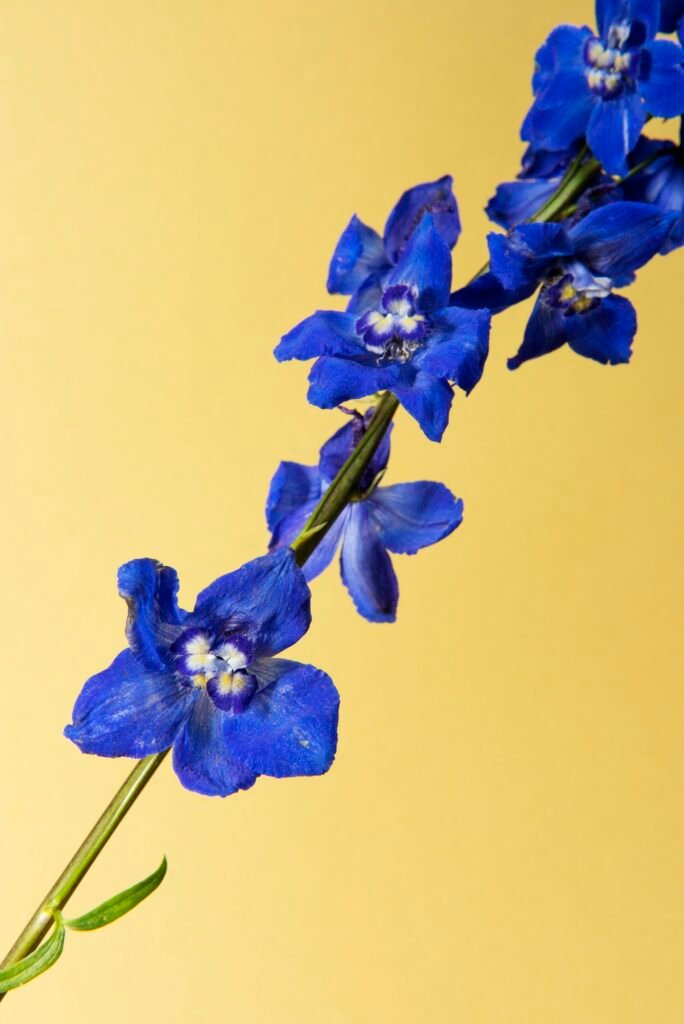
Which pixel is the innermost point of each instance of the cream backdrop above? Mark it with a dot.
(500, 840)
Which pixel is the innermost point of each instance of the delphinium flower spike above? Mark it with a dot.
(208, 683)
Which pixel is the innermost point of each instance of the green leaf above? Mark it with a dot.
(36, 962)
(118, 905)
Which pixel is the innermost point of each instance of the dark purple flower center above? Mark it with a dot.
(613, 64)
(395, 330)
(217, 664)
(574, 289)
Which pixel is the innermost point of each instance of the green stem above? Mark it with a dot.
(579, 174)
(345, 482)
(341, 491)
(39, 924)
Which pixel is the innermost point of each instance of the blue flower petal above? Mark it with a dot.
(566, 44)
(663, 86)
(521, 258)
(614, 129)
(434, 197)
(541, 172)
(604, 333)
(294, 491)
(339, 447)
(332, 381)
(267, 598)
(290, 727)
(544, 333)
(411, 516)
(201, 758)
(428, 401)
(325, 333)
(367, 571)
(324, 552)
(563, 104)
(516, 201)
(359, 253)
(643, 15)
(426, 265)
(662, 183)
(368, 296)
(487, 292)
(617, 239)
(458, 348)
(128, 711)
(150, 590)
(560, 127)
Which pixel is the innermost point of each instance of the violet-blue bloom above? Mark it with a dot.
(577, 265)
(403, 337)
(604, 86)
(362, 259)
(402, 518)
(207, 683)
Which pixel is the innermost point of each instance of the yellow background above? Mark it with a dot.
(501, 838)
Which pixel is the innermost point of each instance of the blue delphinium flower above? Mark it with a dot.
(402, 518)
(604, 86)
(207, 682)
(660, 182)
(362, 259)
(578, 266)
(403, 338)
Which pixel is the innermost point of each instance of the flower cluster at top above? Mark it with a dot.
(594, 201)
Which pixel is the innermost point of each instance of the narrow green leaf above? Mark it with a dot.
(118, 905)
(36, 962)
